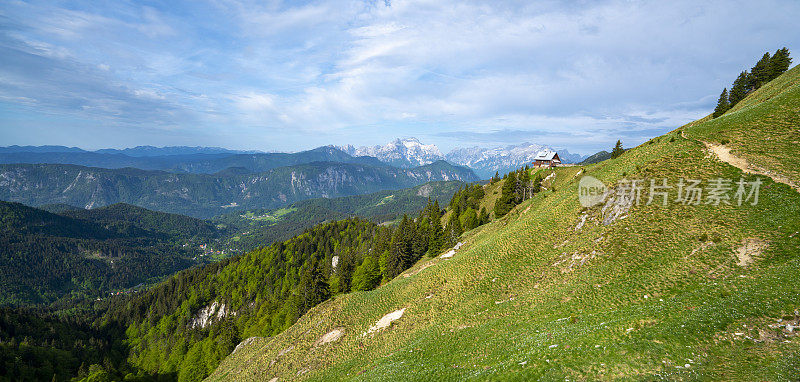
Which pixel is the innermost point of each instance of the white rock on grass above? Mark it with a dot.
(331, 336)
(452, 252)
(385, 321)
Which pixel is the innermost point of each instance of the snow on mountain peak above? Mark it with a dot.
(410, 152)
(406, 152)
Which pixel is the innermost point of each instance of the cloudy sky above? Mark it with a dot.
(274, 75)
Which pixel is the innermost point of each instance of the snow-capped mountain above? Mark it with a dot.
(408, 152)
(486, 161)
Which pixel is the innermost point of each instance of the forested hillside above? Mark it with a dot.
(46, 257)
(131, 220)
(260, 227)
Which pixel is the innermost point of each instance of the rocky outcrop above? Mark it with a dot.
(212, 313)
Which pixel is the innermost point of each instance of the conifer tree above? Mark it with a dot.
(368, 275)
(778, 64)
(400, 255)
(314, 288)
(436, 233)
(537, 183)
(722, 104)
(452, 231)
(759, 74)
(617, 150)
(523, 184)
(507, 199)
(738, 90)
(468, 219)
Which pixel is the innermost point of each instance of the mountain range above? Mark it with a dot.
(206, 195)
(488, 161)
(484, 161)
(403, 153)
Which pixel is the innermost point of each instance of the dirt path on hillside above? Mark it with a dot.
(724, 154)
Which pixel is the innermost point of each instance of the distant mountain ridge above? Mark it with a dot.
(402, 153)
(488, 161)
(206, 195)
(194, 162)
(145, 151)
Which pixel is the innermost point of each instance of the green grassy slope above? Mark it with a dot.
(764, 128)
(659, 293)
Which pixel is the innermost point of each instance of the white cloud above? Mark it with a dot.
(365, 70)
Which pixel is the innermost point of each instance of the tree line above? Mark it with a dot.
(518, 186)
(765, 70)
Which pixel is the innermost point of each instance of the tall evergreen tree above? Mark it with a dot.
(452, 231)
(523, 184)
(738, 90)
(436, 233)
(759, 74)
(368, 275)
(617, 150)
(779, 63)
(314, 288)
(722, 104)
(401, 255)
(507, 199)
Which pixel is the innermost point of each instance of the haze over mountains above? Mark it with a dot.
(403, 153)
(409, 152)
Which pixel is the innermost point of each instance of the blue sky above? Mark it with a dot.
(287, 76)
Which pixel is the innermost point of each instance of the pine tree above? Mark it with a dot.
(419, 239)
(722, 104)
(537, 183)
(617, 150)
(436, 233)
(507, 199)
(523, 185)
(401, 255)
(759, 74)
(738, 90)
(453, 231)
(778, 64)
(314, 288)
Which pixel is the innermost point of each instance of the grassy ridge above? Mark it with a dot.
(659, 294)
(764, 128)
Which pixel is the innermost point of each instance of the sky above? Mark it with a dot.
(294, 75)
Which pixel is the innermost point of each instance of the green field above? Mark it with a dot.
(676, 292)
